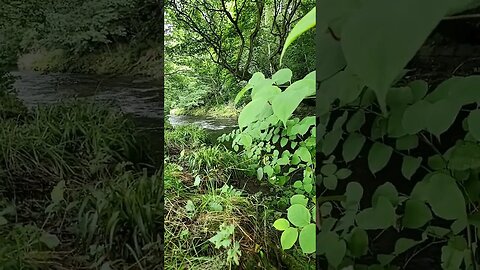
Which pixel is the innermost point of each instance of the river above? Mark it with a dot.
(137, 97)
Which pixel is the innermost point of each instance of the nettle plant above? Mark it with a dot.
(364, 107)
(284, 145)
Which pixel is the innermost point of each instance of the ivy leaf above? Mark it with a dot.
(298, 215)
(288, 238)
(410, 165)
(307, 239)
(378, 156)
(352, 146)
(281, 224)
(474, 124)
(282, 76)
(416, 214)
(394, 22)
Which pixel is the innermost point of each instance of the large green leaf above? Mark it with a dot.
(282, 76)
(410, 165)
(441, 116)
(380, 216)
(251, 111)
(307, 239)
(330, 56)
(298, 215)
(288, 238)
(305, 24)
(439, 185)
(285, 103)
(256, 78)
(358, 242)
(374, 38)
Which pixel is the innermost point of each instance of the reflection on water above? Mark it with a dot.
(208, 123)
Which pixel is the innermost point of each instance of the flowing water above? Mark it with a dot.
(138, 97)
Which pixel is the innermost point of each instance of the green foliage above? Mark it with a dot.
(410, 120)
(68, 139)
(123, 220)
(268, 128)
(184, 137)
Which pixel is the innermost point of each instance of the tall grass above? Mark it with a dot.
(76, 139)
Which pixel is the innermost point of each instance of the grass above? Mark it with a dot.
(79, 192)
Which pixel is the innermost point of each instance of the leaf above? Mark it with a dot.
(474, 124)
(304, 154)
(331, 141)
(256, 78)
(419, 89)
(415, 117)
(299, 199)
(407, 142)
(417, 214)
(354, 192)
(358, 243)
(281, 224)
(306, 23)
(439, 185)
(343, 173)
(285, 103)
(251, 111)
(282, 76)
(378, 156)
(441, 116)
(410, 165)
(260, 173)
(356, 121)
(404, 244)
(50, 240)
(330, 182)
(380, 216)
(57, 192)
(283, 142)
(328, 169)
(288, 238)
(388, 24)
(465, 156)
(388, 191)
(307, 239)
(331, 55)
(352, 146)
(298, 215)
(335, 252)
(197, 181)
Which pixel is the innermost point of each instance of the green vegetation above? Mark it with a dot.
(411, 143)
(76, 188)
(271, 161)
(120, 36)
(213, 47)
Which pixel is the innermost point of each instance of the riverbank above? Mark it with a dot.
(121, 59)
(78, 189)
(217, 213)
(216, 111)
